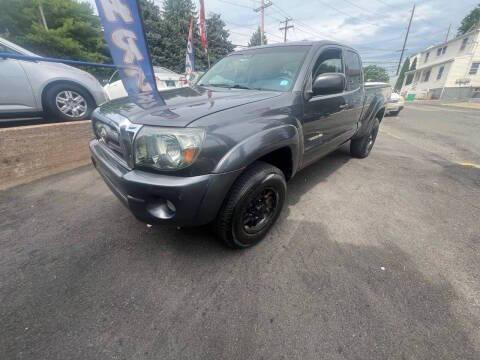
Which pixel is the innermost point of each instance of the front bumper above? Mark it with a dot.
(156, 198)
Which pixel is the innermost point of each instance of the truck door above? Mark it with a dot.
(15, 92)
(325, 121)
(355, 94)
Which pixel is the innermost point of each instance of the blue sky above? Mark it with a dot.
(375, 27)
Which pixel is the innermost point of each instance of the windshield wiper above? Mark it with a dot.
(235, 86)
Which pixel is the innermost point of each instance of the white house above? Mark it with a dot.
(450, 70)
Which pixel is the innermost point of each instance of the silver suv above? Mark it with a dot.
(57, 90)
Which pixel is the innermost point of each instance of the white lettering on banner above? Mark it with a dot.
(140, 75)
(112, 8)
(126, 40)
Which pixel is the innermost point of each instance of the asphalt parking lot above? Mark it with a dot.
(372, 259)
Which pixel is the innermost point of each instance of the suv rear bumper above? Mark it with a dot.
(156, 198)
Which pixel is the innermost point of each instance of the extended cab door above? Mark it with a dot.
(15, 91)
(326, 121)
(355, 92)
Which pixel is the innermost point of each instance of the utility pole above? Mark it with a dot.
(285, 28)
(42, 15)
(261, 9)
(406, 38)
(448, 32)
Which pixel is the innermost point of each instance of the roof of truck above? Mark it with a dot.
(317, 43)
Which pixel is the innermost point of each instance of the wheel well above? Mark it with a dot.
(65, 82)
(281, 158)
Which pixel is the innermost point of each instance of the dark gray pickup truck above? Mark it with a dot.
(222, 151)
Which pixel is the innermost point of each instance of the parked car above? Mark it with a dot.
(395, 104)
(165, 79)
(223, 150)
(30, 88)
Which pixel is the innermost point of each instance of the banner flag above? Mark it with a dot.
(125, 36)
(203, 27)
(190, 57)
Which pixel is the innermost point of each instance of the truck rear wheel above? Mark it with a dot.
(361, 147)
(252, 206)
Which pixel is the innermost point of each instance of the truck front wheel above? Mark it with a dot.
(361, 147)
(252, 206)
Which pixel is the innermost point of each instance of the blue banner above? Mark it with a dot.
(123, 29)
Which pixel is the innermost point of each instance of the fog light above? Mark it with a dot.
(161, 209)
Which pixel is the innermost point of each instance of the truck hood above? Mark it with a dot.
(183, 105)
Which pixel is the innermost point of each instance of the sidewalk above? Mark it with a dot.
(459, 104)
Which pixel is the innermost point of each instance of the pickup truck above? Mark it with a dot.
(221, 151)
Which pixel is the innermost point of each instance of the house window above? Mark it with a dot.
(440, 72)
(409, 79)
(474, 68)
(426, 57)
(464, 44)
(426, 75)
(441, 51)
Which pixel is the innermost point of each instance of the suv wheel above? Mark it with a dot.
(68, 102)
(361, 147)
(252, 207)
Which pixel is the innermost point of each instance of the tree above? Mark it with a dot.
(74, 31)
(152, 24)
(401, 76)
(171, 37)
(470, 21)
(255, 39)
(376, 73)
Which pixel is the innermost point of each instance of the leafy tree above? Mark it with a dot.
(170, 37)
(74, 32)
(152, 23)
(470, 21)
(255, 39)
(401, 76)
(376, 73)
(173, 31)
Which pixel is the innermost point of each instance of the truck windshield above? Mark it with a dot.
(273, 68)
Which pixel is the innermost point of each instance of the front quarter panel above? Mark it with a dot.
(237, 137)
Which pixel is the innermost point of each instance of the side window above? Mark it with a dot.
(353, 70)
(329, 61)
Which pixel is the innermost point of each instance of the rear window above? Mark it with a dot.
(353, 70)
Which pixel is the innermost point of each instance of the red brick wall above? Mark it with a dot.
(31, 152)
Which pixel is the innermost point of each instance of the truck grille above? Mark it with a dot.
(116, 133)
(109, 136)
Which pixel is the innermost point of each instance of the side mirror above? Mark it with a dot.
(328, 83)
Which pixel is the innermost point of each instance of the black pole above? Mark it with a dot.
(406, 38)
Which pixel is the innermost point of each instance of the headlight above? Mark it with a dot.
(167, 148)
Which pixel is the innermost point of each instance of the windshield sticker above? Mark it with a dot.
(284, 83)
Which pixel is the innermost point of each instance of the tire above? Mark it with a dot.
(395, 113)
(78, 101)
(361, 147)
(239, 223)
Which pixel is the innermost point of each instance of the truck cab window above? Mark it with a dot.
(353, 70)
(329, 61)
